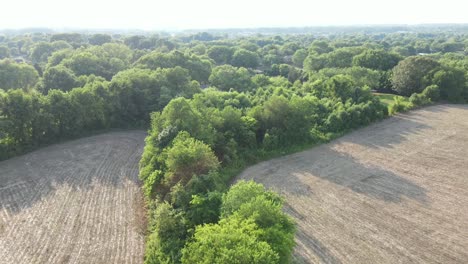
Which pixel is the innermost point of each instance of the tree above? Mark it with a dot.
(40, 52)
(84, 63)
(250, 201)
(451, 82)
(220, 54)
(226, 77)
(315, 62)
(230, 241)
(198, 68)
(168, 235)
(245, 58)
(188, 157)
(376, 60)
(74, 39)
(18, 110)
(299, 56)
(99, 39)
(320, 46)
(17, 75)
(411, 75)
(341, 87)
(59, 77)
(4, 52)
(242, 193)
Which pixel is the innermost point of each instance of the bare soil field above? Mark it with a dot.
(393, 192)
(77, 202)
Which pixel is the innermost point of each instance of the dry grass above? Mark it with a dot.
(77, 202)
(394, 192)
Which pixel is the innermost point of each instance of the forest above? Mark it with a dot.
(214, 103)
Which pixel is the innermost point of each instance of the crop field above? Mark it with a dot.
(393, 192)
(77, 202)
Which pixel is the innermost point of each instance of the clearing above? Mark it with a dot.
(393, 192)
(76, 202)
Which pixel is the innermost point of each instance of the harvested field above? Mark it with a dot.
(77, 202)
(393, 192)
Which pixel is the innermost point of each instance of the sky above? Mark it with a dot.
(204, 14)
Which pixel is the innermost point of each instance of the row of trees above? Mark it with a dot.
(192, 141)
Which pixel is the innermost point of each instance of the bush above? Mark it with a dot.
(399, 106)
(432, 92)
(419, 99)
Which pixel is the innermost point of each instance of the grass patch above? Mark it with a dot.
(387, 99)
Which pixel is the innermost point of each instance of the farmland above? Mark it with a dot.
(393, 192)
(77, 202)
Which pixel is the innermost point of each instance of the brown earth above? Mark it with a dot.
(77, 202)
(393, 192)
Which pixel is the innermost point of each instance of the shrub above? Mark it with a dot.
(399, 106)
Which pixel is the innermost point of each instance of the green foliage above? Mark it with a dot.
(399, 106)
(59, 77)
(226, 77)
(198, 68)
(245, 192)
(250, 215)
(42, 50)
(299, 57)
(376, 59)
(99, 39)
(188, 157)
(411, 74)
(231, 241)
(17, 75)
(138, 92)
(419, 99)
(167, 238)
(432, 92)
(452, 83)
(4, 52)
(220, 54)
(245, 58)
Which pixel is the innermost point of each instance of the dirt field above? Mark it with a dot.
(77, 202)
(394, 192)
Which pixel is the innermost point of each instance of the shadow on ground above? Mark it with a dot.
(110, 159)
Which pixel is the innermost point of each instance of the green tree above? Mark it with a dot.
(17, 75)
(188, 157)
(59, 77)
(225, 77)
(376, 60)
(411, 75)
(198, 68)
(245, 58)
(220, 54)
(4, 52)
(168, 236)
(451, 82)
(99, 39)
(231, 241)
(299, 56)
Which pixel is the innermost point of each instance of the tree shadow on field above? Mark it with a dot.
(305, 243)
(389, 132)
(304, 179)
(298, 175)
(109, 160)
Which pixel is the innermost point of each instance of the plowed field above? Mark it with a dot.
(77, 202)
(393, 192)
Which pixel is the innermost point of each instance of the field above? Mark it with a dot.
(393, 192)
(77, 202)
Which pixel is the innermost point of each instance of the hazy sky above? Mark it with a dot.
(185, 14)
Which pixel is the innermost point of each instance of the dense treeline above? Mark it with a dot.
(215, 104)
